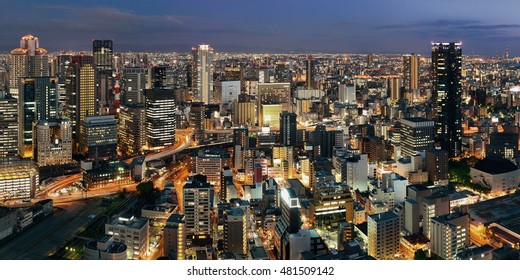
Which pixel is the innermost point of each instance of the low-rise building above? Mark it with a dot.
(133, 232)
(105, 248)
(499, 175)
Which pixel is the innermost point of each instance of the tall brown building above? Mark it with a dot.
(437, 166)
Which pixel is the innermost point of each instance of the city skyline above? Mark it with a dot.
(231, 26)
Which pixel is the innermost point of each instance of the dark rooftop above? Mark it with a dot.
(495, 165)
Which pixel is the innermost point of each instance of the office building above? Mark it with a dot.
(347, 94)
(411, 63)
(202, 74)
(288, 128)
(103, 54)
(18, 180)
(326, 140)
(98, 137)
(272, 99)
(417, 134)
(29, 60)
(161, 77)
(134, 84)
(8, 127)
(350, 168)
(37, 100)
(230, 92)
(197, 204)
(383, 235)
(133, 232)
(80, 94)
(132, 129)
(394, 89)
(160, 118)
(235, 231)
(53, 142)
(449, 235)
(446, 95)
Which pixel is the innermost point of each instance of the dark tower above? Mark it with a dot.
(446, 95)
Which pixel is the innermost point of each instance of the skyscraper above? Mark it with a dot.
(103, 54)
(8, 127)
(98, 136)
(289, 222)
(197, 120)
(288, 128)
(132, 129)
(310, 72)
(37, 100)
(196, 204)
(53, 145)
(411, 75)
(417, 134)
(134, 84)
(160, 118)
(202, 80)
(446, 95)
(29, 60)
(80, 93)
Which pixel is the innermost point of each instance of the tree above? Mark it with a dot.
(419, 255)
(147, 191)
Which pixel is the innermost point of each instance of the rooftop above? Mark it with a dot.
(495, 165)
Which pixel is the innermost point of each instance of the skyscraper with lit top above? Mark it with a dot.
(202, 80)
(29, 60)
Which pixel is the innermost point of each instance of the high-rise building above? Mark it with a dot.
(210, 163)
(80, 93)
(241, 137)
(202, 80)
(29, 60)
(8, 127)
(289, 223)
(161, 77)
(394, 89)
(288, 128)
(417, 134)
(160, 118)
(53, 145)
(132, 129)
(135, 79)
(197, 120)
(446, 95)
(437, 166)
(411, 75)
(449, 235)
(98, 137)
(37, 100)
(235, 231)
(326, 140)
(310, 72)
(103, 54)
(383, 235)
(230, 91)
(283, 161)
(197, 203)
(273, 98)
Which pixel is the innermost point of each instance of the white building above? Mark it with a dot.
(496, 174)
(133, 232)
(449, 234)
(230, 91)
(105, 249)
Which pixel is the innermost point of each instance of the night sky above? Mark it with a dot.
(339, 26)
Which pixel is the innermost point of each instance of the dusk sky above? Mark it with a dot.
(339, 26)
